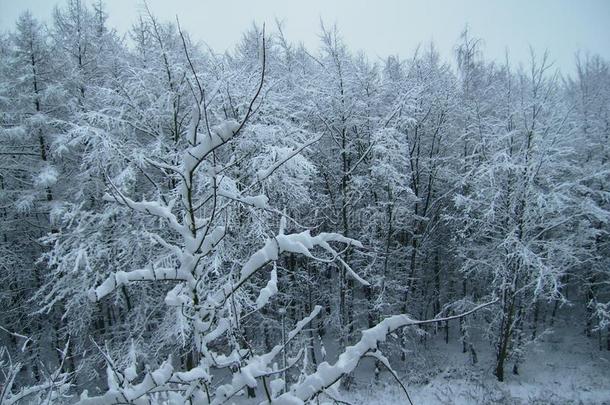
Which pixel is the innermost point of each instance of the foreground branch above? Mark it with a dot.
(326, 375)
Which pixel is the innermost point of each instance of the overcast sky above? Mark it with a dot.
(380, 27)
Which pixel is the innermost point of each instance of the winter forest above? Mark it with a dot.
(283, 225)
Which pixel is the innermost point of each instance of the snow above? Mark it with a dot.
(268, 291)
(130, 373)
(197, 373)
(155, 208)
(286, 154)
(259, 201)
(118, 394)
(25, 203)
(220, 134)
(175, 297)
(121, 278)
(25, 393)
(264, 255)
(563, 367)
(499, 210)
(223, 325)
(303, 242)
(210, 241)
(46, 177)
(258, 366)
(326, 374)
(276, 386)
(295, 243)
(12, 133)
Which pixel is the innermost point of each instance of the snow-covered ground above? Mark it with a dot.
(563, 367)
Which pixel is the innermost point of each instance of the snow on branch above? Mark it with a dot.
(294, 243)
(155, 208)
(130, 393)
(258, 366)
(33, 390)
(165, 379)
(121, 278)
(55, 384)
(219, 135)
(269, 291)
(326, 375)
(258, 201)
(300, 243)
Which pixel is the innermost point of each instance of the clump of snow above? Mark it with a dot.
(259, 201)
(269, 291)
(122, 278)
(220, 134)
(46, 177)
(266, 254)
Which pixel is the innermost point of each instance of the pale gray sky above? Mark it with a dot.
(380, 27)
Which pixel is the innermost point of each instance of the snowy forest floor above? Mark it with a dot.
(562, 367)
